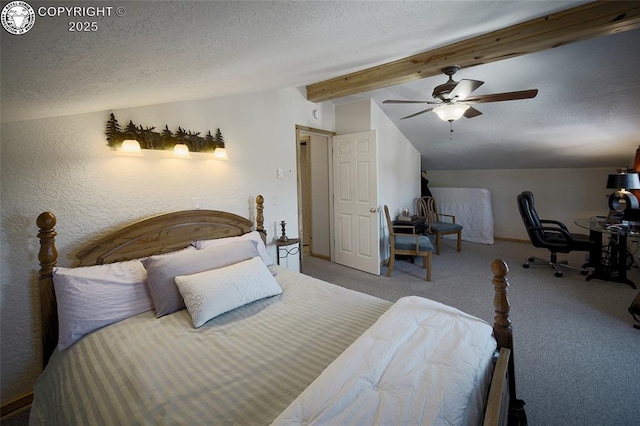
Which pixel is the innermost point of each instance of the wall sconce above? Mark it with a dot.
(181, 150)
(622, 199)
(136, 137)
(130, 146)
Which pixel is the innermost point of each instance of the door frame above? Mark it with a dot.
(301, 131)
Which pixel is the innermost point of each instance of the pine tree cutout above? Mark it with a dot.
(219, 139)
(113, 132)
(209, 142)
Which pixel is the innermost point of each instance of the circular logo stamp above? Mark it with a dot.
(18, 17)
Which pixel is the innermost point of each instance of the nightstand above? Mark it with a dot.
(416, 226)
(285, 248)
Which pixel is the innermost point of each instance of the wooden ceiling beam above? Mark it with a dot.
(583, 22)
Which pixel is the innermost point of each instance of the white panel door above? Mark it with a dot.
(355, 182)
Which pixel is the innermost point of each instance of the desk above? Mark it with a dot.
(283, 246)
(609, 261)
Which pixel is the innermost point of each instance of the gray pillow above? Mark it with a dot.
(161, 270)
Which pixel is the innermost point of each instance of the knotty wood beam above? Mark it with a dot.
(583, 22)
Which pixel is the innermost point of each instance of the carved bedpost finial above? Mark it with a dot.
(502, 322)
(260, 217)
(47, 235)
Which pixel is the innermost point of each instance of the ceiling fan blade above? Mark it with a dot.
(499, 97)
(417, 113)
(471, 112)
(395, 101)
(464, 88)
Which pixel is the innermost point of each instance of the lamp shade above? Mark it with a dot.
(181, 150)
(220, 153)
(130, 146)
(623, 181)
(451, 112)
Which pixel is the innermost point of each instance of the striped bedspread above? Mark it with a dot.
(241, 368)
(421, 363)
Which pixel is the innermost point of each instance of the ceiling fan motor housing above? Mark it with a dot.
(442, 91)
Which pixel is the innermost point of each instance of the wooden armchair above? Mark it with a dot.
(408, 244)
(438, 224)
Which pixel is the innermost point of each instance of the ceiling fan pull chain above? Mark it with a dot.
(451, 130)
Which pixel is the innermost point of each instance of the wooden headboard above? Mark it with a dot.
(158, 234)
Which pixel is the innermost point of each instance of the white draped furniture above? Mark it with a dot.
(472, 209)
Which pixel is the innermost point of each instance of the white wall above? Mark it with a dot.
(63, 165)
(560, 194)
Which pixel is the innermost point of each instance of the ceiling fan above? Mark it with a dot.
(453, 98)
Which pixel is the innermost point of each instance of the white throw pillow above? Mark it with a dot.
(253, 236)
(211, 293)
(91, 297)
(161, 270)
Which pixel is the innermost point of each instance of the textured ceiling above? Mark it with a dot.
(586, 114)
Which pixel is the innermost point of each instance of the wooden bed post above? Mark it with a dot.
(503, 333)
(48, 255)
(260, 217)
(502, 323)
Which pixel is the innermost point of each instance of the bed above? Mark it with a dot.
(182, 318)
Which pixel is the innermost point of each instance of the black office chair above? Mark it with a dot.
(552, 235)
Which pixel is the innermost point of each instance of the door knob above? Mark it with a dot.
(373, 210)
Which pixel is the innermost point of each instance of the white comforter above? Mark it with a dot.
(422, 362)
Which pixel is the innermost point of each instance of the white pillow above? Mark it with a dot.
(253, 236)
(91, 297)
(211, 293)
(161, 270)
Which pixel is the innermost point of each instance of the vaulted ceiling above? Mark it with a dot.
(586, 114)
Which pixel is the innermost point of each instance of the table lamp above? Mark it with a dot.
(622, 199)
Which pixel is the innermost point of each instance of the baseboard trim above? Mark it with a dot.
(319, 256)
(513, 240)
(16, 404)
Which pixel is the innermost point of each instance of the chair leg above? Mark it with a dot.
(427, 265)
(459, 241)
(438, 244)
(390, 266)
(555, 264)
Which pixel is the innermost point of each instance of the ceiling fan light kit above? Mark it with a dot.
(451, 112)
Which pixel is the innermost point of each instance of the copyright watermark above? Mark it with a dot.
(81, 11)
(18, 17)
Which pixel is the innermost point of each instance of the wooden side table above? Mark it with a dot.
(285, 248)
(409, 226)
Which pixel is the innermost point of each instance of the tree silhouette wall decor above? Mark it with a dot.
(165, 140)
